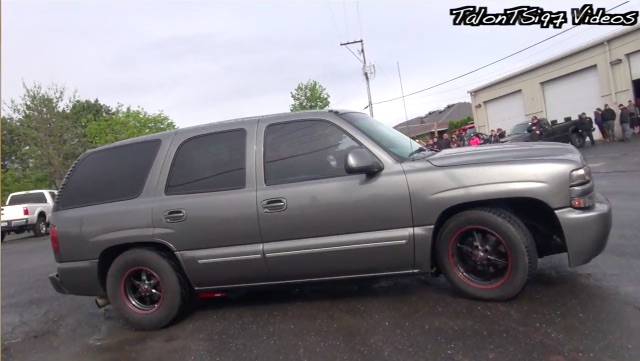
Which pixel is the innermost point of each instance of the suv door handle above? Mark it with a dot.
(274, 205)
(175, 215)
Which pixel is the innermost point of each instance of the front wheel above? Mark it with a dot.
(146, 289)
(577, 140)
(486, 254)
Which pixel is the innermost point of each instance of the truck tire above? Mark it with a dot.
(146, 288)
(486, 254)
(577, 140)
(40, 228)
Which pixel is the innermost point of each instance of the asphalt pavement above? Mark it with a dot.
(587, 313)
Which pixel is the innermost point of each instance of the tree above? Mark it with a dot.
(309, 96)
(455, 124)
(125, 123)
(46, 137)
(46, 130)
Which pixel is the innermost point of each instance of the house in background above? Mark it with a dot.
(436, 121)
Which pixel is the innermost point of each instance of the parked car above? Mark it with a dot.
(147, 223)
(566, 132)
(27, 212)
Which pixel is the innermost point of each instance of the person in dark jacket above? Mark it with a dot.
(535, 128)
(609, 120)
(585, 124)
(494, 137)
(597, 116)
(624, 122)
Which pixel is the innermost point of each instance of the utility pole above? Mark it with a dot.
(365, 69)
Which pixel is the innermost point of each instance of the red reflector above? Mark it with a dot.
(53, 231)
(25, 211)
(210, 295)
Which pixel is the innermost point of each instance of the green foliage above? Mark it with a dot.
(47, 129)
(125, 123)
(453, 125)
(309, 96)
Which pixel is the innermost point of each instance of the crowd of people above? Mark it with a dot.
(459, 139)
(629, 120)
(605, 120)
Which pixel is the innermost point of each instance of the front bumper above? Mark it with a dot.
(586, 232)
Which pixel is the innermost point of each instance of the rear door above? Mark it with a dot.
(316, 220)
(206, 204)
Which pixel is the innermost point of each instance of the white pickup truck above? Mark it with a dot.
(28, 212)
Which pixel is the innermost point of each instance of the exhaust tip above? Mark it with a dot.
(102, 302)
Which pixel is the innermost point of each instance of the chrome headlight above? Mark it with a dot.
(580, 176)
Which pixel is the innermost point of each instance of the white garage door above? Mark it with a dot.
(572, 94)
(506, 111)
(634, 63)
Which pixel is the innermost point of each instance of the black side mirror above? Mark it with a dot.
(361, 161)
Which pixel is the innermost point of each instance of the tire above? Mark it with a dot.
(577, 140)
(170, 284)
(508, 238)
(4, 234)
(40, 228)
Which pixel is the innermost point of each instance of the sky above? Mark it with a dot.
(207, 61)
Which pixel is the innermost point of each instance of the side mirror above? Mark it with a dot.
(361, 161)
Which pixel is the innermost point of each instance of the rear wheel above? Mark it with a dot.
(577, 140)
(40, 228)
(146, 288)
(486, 254)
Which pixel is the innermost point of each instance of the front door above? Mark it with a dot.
(316, 220)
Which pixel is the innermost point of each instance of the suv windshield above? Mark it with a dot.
(391, 140)
(519, 129)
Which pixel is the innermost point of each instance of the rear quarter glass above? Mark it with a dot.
(109, 175)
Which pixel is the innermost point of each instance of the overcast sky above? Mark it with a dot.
(208, 61)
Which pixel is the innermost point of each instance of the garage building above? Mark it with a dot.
(604, 71)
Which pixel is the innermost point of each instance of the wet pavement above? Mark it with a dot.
(587, 313)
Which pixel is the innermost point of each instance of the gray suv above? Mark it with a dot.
(148, 223)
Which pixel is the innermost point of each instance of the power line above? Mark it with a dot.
(504, 73)
(549, 72)
(492, 63)
(566, 66)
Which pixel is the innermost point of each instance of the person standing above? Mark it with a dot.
(624, 122)
(634, 117)
(609, 120)
(597, 115)
(494, 137)
(585, 124)
(535, 128)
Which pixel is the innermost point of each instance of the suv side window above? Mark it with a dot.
(209, 163)
(109, 175)
(305, 150)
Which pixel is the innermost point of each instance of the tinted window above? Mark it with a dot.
(27, 198)
(305, 150)
(53, 196)
(209, 163)
(109, 175)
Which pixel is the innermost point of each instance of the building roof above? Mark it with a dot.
(438, 119)
(562, 55)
